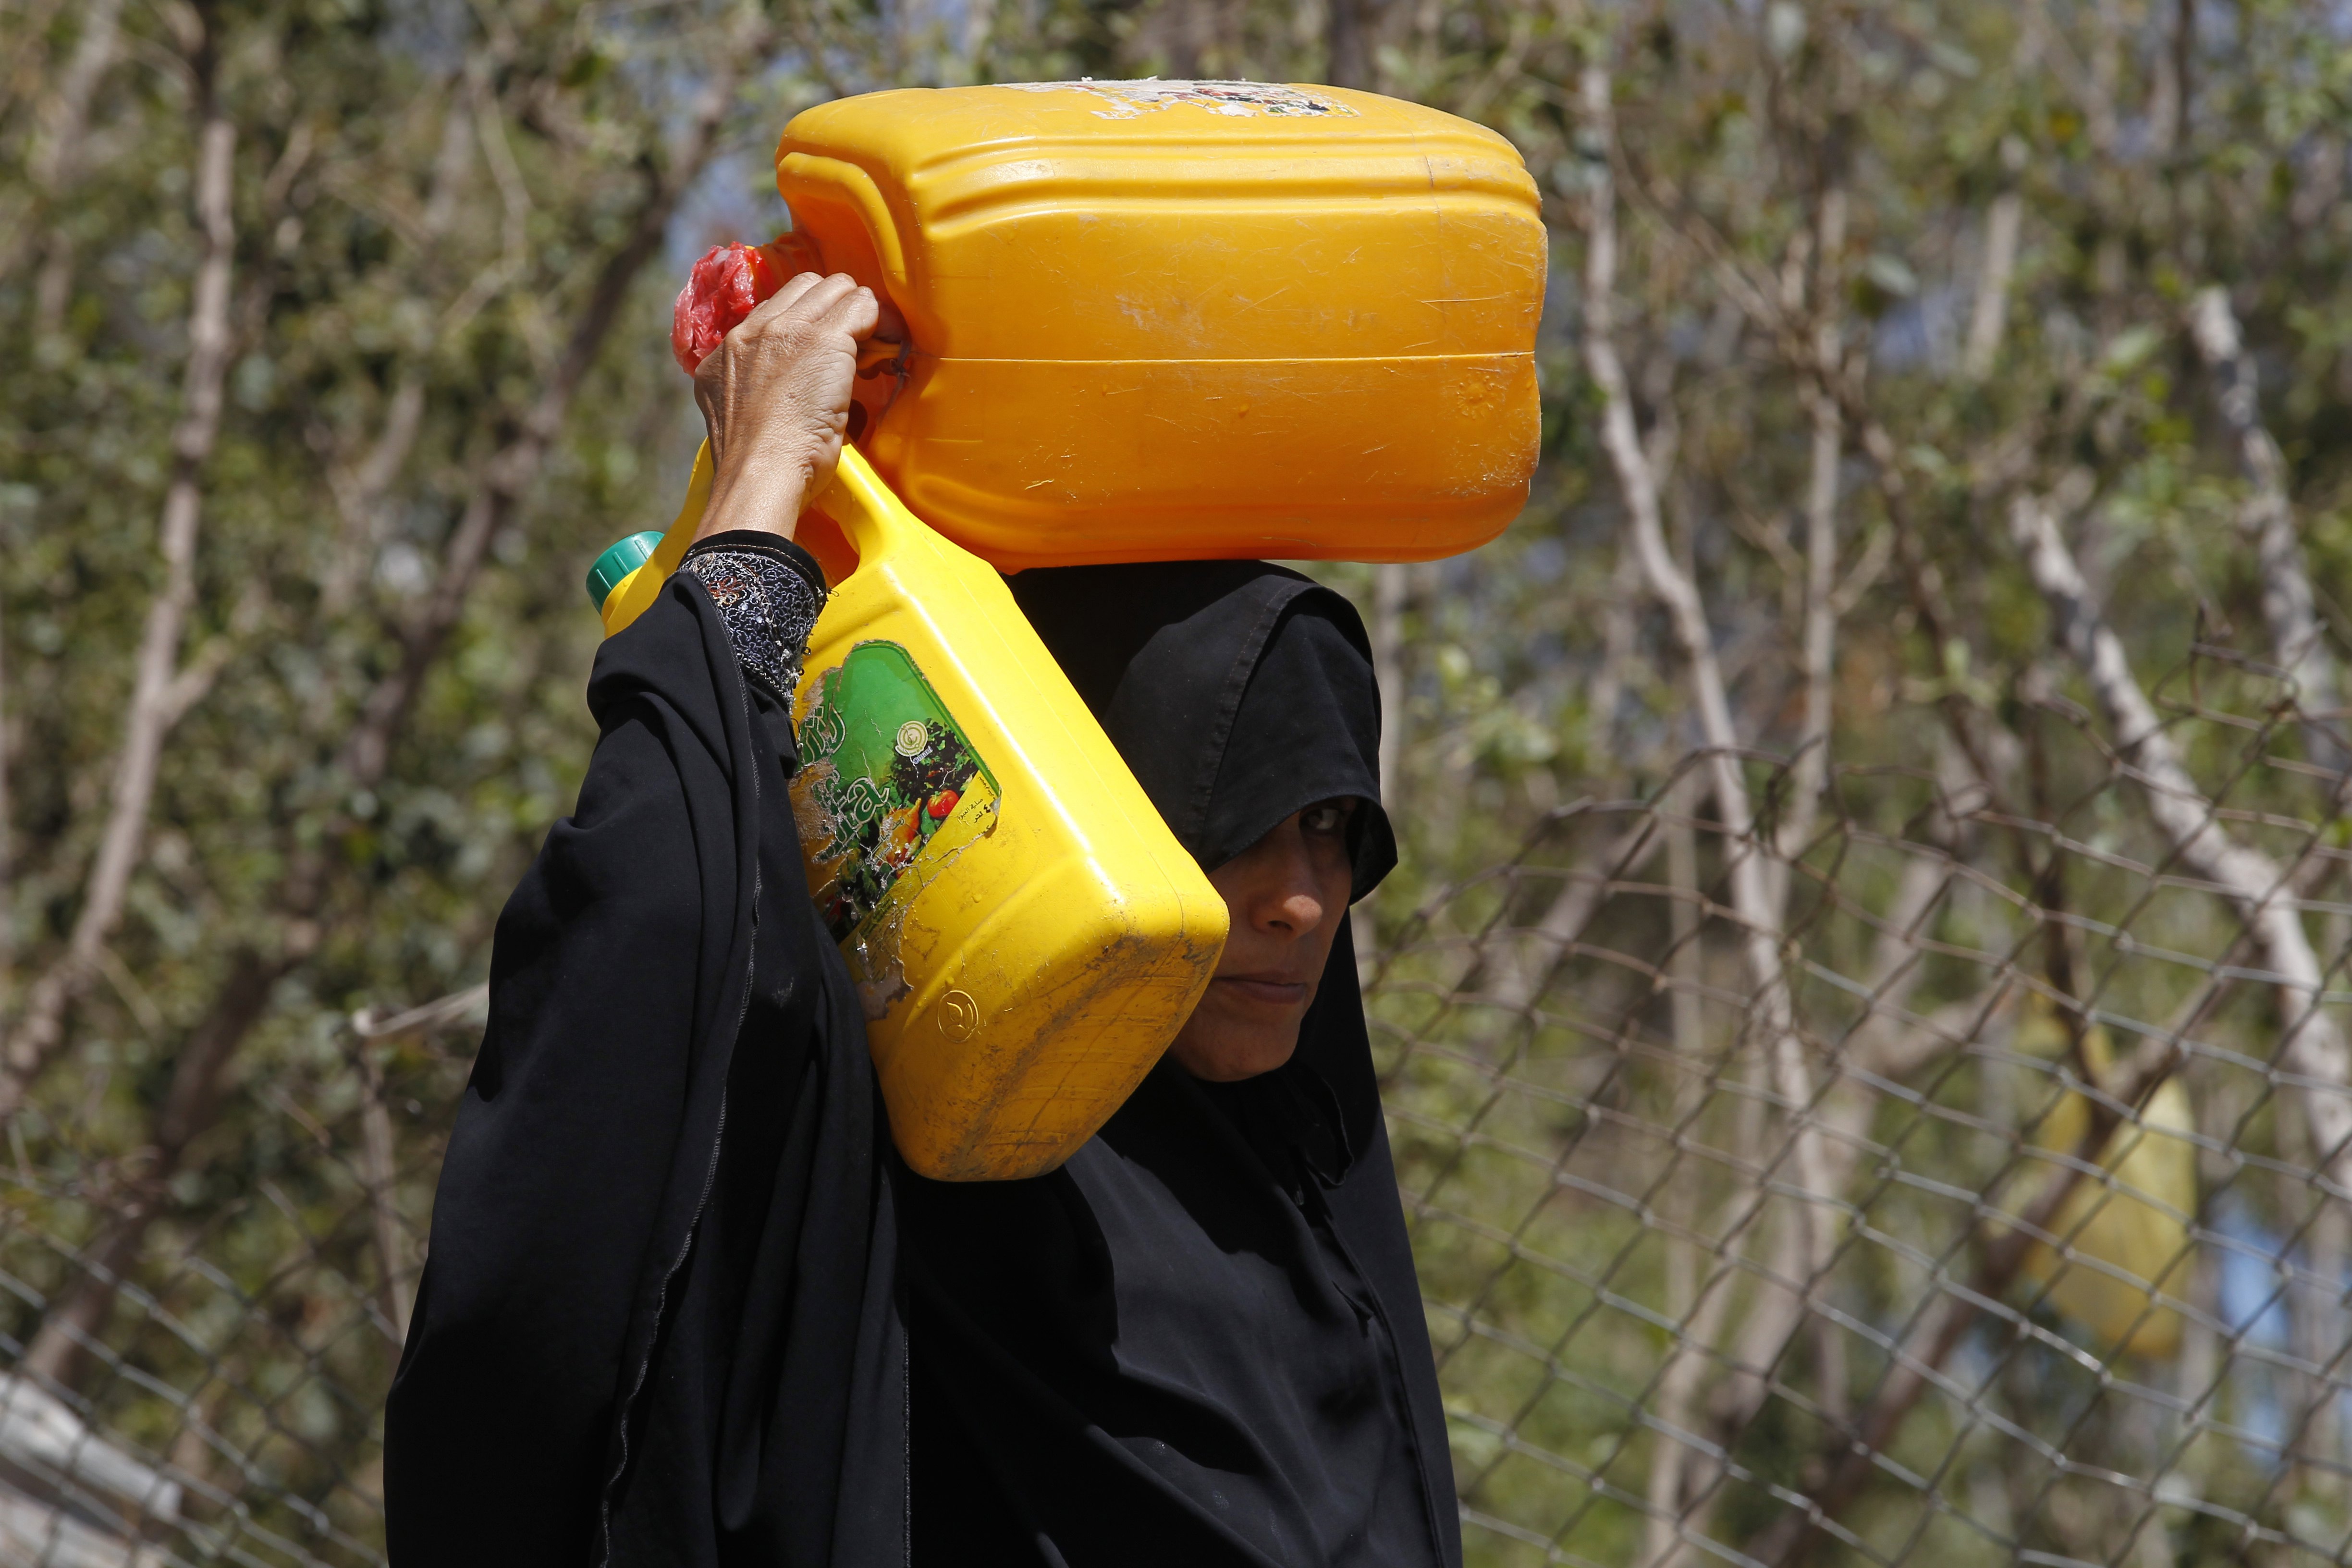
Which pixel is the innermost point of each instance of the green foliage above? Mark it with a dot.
(455, 233)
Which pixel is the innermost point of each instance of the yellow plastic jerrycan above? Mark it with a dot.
(1183, 321)
(1026, 931)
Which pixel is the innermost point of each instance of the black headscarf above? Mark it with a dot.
(1199, 1342)
(1237, 693)
(659, 1325)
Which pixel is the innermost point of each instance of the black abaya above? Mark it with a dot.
(658, 1324)
(1199, 1342)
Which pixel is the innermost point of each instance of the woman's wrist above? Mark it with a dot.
(769, 593)
(766, 497)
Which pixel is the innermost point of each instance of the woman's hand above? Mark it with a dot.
(775, 398)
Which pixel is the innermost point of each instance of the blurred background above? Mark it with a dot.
(1863, 1009)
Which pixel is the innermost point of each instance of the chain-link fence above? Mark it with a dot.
(1947, 1169)
(1966, 1186)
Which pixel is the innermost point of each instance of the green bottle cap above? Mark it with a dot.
(617, 563)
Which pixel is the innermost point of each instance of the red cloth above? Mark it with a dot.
(724, 287)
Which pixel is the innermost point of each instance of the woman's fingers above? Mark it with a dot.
(816, 304)
(855, 312)
(820, 295)
(838, 304)
(787, 296)
(799, 298)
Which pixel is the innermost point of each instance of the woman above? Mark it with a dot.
(1199, 1342)
(659, 1320)
(678, 1280)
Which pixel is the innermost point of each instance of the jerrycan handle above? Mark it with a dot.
(871, 516)
(634, 593)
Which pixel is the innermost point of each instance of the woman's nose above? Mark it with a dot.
(1294, 904)
(1299, 911)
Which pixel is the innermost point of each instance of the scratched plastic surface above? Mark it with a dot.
(1023, 930)
(1179, 320)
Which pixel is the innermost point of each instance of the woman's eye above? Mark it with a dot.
(1323, 818)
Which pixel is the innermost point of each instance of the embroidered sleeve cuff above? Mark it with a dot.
(769, 592)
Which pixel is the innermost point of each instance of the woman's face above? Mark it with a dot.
(1287, 894)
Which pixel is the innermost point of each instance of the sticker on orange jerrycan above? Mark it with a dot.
(1025, 933)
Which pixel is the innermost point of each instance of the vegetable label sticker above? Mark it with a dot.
(889, 790)
(1240, 100)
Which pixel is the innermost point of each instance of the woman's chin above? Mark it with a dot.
(1227, 1050)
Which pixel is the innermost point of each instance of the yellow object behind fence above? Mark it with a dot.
(2128, 1227)
(1026, 931)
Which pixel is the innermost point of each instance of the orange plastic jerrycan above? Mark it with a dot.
(1024, 930)
(1169, 319)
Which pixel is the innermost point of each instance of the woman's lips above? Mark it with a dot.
(1258, 988)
